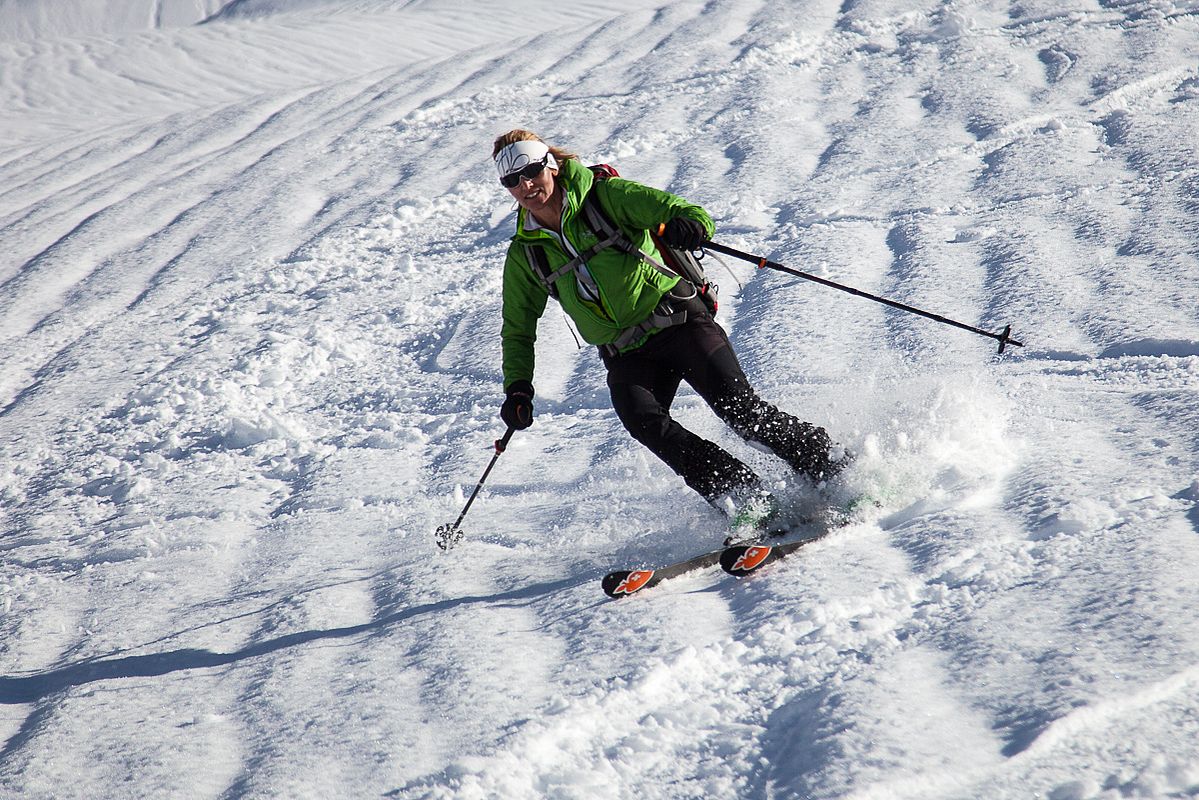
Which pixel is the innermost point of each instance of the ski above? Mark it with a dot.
(742, 559)
(736, 559)
(626, 582)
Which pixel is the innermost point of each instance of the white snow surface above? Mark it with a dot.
(249, 361)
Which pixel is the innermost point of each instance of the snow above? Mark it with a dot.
(249, 336)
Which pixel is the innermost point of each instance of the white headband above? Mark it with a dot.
(519, 155)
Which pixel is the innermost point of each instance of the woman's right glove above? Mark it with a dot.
(517, 410)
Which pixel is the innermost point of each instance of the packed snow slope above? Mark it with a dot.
(249, 361)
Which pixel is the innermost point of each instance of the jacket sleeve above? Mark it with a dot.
(634, 206)
(524, 302)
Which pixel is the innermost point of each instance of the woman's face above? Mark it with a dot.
(535, 194)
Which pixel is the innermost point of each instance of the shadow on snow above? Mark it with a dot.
(32, 688)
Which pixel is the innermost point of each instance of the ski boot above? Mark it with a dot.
(753, 517)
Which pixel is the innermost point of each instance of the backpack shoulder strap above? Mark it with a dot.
(607, 233)
(540, 264)
(604, 229)
(674, 261)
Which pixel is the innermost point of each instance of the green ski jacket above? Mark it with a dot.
(629, 288)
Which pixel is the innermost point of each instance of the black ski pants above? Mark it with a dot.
(643, 383)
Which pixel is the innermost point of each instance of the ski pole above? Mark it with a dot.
(450, 535)
(1003, 338)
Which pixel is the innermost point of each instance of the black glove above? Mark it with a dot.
(684, 233)
(517, 410)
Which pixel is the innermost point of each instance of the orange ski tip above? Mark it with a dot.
(752, 558)
(633, 581)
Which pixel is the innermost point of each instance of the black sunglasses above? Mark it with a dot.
(512, 179)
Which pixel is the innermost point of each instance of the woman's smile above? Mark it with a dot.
(540, 197)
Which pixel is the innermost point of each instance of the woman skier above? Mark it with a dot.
(652, 328)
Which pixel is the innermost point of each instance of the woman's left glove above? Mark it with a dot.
(517, 410)
(684, 233)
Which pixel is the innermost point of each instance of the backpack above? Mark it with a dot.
(675, 261)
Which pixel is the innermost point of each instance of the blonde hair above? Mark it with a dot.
(521, 135)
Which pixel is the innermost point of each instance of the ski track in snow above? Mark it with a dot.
(250, 345)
